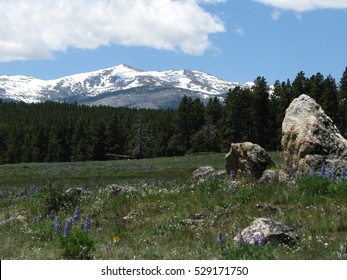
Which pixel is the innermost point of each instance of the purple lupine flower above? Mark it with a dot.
(231, 176)
(209, 195)
(76, 215)
(2, 194)
(219, 238)
(30, 191)
(266, 214)
(322, 170)
(67, 228)
(343, 175)
(293, 174)
(87, 223)
(57, 225)
(232, 191)
(259, 239)
(312, 172)
(330, 174)
(20, 194)
(239, 239)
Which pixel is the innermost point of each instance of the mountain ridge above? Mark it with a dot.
(118, 86)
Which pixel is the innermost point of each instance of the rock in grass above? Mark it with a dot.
(114, 190)
(247, 158)
(269, 177)
(205, 172)
(270, 229)
(310, 138)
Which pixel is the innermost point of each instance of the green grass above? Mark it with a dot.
(169, 216)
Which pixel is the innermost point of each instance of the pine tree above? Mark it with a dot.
(237, 117)
(261, 112)
(299, 85)
(213, 112)
(98, 141)
(342, 96)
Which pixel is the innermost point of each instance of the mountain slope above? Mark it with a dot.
(121, 85)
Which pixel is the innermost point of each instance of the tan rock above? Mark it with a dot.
(310, 138)
(247, 158)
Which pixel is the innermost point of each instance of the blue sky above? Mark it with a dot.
(236, 40)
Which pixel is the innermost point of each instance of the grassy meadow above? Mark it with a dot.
(164, 214)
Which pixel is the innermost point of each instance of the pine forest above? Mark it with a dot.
(63, 132)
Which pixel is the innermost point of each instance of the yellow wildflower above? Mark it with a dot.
(116, 239)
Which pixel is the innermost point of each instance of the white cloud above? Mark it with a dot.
(276, 14)
(212, 1)
(38, 29)
(239, 30)
(305, 5)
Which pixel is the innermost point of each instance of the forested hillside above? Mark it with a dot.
(70, 132)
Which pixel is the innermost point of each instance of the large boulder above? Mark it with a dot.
(310, 138)
(247, 158)
(269, 230)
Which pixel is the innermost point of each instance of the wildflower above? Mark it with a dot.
(76, 215)
(38, 219)
(239, 239)
(116, 239)
(312, 172)
(57, 225)
(343, 175)
(330, 174)
(87, 223)
(231, 176)
(259, 239)
(322, 170)
(20, 194)
(209, 195)
(293, 174)
(232, 191)
(266, 214)
(2, 194)
(219, 238)
(67, 227)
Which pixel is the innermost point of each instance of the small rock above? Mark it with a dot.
(205, 172)
(269, 177)
(270, 229)
(75, 190)
(114, 190)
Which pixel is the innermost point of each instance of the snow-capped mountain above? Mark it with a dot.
(121, 85)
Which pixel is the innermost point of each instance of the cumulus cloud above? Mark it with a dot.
(305, 5)
(38, 29)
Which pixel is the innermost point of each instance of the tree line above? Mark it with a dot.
(61, 132)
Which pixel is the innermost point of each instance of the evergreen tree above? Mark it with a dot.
(191, 119)
(261, 112)
(237, 117)
(330, 101)
(299, 85)
(342, 96)
(81, 141)
(213, 112)
(98, 141)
